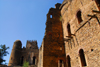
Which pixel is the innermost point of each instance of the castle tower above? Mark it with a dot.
(15, 54)
(31, 53)
(19, 55)
(53, 45)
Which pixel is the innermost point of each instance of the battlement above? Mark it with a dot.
(57, 5)
(32, 41)
(31, 44)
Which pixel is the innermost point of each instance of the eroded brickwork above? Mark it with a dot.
(29, 54)
(72, 37)
(84, 34)
(53, 47)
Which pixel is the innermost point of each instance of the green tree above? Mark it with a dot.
(26, 64)
(3, 53)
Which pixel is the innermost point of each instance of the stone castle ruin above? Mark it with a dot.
(19, 55)
(72, 38)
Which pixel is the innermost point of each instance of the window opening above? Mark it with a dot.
(68, 61)
(22, 60)
(34, 58)
(50, 16)
(79, 17)
(82, 57)
(69, 30)
(91, 49)
(60, 63)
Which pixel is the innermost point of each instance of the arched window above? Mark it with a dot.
(60, 63)
(68, 61)
(69, 30)
(98, 3)
(22, 58)
(34, 60)
(79, 17)
(82, 57)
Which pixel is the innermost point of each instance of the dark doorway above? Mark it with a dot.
(22, 58)
(34, 60)
(98, 3)
(69, 30)
(60, 63)
(79, 17)
(82, 57)
(68, 61)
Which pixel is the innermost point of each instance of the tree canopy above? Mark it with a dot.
(3, 53)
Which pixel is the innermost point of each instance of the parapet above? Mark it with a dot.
(31, 41)
(31, 44)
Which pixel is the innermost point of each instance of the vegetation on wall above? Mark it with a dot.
(26, 64)
(60, 18)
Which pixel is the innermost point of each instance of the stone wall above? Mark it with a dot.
(19, 55)
(84, 35)
(15, 54)
(53, 48)
(3, 65)
(40, 61)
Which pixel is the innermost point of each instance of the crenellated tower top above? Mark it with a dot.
(31, 44)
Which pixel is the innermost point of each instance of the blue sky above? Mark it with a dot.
(23, 20)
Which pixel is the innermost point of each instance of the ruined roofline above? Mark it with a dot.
(64, 2)
(57, 6)
(31, 40)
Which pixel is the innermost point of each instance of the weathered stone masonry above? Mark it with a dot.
(83, 46)
(53, 47)
(72, 38)
(19, 54)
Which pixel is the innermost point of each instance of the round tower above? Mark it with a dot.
(15, 54)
